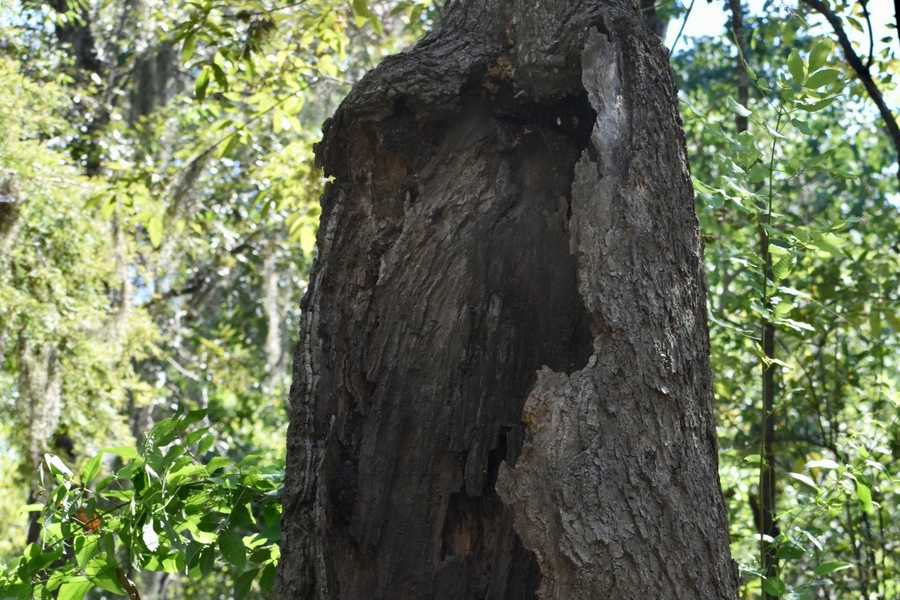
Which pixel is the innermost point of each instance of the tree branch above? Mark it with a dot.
(861, 70)
(865, 10)
(203, 276)
(897, 18)
(687, 16)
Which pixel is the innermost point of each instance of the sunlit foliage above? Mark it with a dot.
(158, 215)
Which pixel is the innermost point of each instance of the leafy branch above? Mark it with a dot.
(862, 72)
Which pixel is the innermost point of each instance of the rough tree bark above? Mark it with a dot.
(502, 387)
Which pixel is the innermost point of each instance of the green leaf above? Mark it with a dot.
(207, 560)
(774, 586)
(307, 239)
(165, 431)
(74, 588)
(805, 479)
(195, 436)
(832, 566)
(51, 532)
(192, 555)
(829, 242)
(56, 579)
(220, 76)
(242, 584)
(105, 576)
(758, 173)
(123, 452)
(738, 108)
(36, 559)
(790, 550)
(796, 67)
(188, 47)
(703, 188)
(360, 8)
(217, 463)
(822, 78)
(194, 416)
(85, 548)
(108, 543)
(206, 442)
(775, 133)
(753, 459)
(864, 495)
(856, 24)
(795, 325)
(202, 537)
(202, 83)
(875, 325)
(794, 292)
(155, 229)
(150, 537)
(782, 268)
(818, 56)
(267, 578)
(90, 470)
(825, 463)
(190, 471)
(231, 544)
(57, 465)
(174, 563)
(17, 591)
(783, 308)
(813, 539)
(816, 106)
(228, 145)
(375, 23)
(175, 459)
(242, 516)
(801, 126)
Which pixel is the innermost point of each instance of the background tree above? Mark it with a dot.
(156, 249)
(827, 167)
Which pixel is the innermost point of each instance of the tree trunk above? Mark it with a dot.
(502, 387)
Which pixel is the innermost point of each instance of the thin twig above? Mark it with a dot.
(865, 10)
(246, 14)
(681, 29)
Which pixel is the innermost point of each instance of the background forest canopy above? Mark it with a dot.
(158, 217)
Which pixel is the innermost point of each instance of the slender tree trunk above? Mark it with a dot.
(75, 33)
(768, 527)
(271, 297)
(40, 404)
(502, 387)
(743, 77)
(766, 503)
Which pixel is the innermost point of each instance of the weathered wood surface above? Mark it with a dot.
(502, 387)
